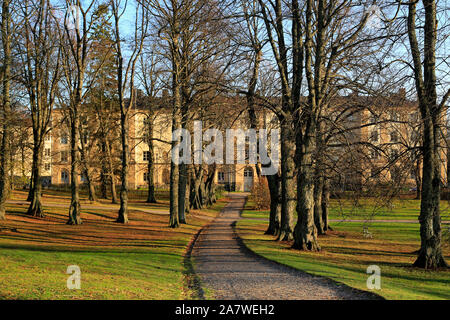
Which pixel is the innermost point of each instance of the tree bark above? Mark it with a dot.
(6, 136)
(182, 184)
(288, 196)
(31, 191)
(35, 209)
(123, 211)
(418, 180)
(104, 182)
(430, 254)
(111, 174)
(318, 200)
(74, 210)
(305, 233)
(182, 194)
(275, 206)
(174, 167)
(326, 205)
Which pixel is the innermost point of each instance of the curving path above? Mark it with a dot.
(232, 272)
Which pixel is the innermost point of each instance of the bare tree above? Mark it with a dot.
(76, 39)
(41, 64)
(125, 81)
(432, 112)
(5, 151)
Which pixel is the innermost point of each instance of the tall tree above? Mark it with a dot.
(5, 152)
(290, 69)
(125, 81)
(76, 39)
(41, 64)
(150, 75)
(430, 253)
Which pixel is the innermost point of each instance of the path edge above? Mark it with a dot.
(247, 250)
(191, 280)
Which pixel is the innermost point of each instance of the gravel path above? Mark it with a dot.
(232, 272)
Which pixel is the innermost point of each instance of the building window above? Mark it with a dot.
(64, 177)
(64, 139)
(248, 173)
(146, 156)
(47, 137)
(47, 166)
(47, 152)
(64, 156)
(146, 176)
(221, 176)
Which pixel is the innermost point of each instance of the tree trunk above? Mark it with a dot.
(182, 184)
(35, 209)
(187, 197)
(31, 191)
(305, 233)
(430, 253)
(74, 210)
(6, 136)
(111, 173)
(326, 205)
(275, 207)
(195, 194)
(123, 211)
(210, 188)
(104, 182)
(174, 167)
(318, 197)
(288, 197)
(418, 180)
(182, 194)
(91, 186)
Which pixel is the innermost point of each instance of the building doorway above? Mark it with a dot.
(248, 179)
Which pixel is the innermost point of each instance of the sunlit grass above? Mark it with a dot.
(346, 255)
(142, 260)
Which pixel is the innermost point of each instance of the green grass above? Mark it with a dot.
(378, 210)
(31, 273)
(346, 255)
(365, 210)
(143, 260)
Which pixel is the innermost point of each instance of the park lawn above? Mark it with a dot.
(346, 255)
(142, 260)
(367, 210)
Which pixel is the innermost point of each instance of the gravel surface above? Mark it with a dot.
(232, 272)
